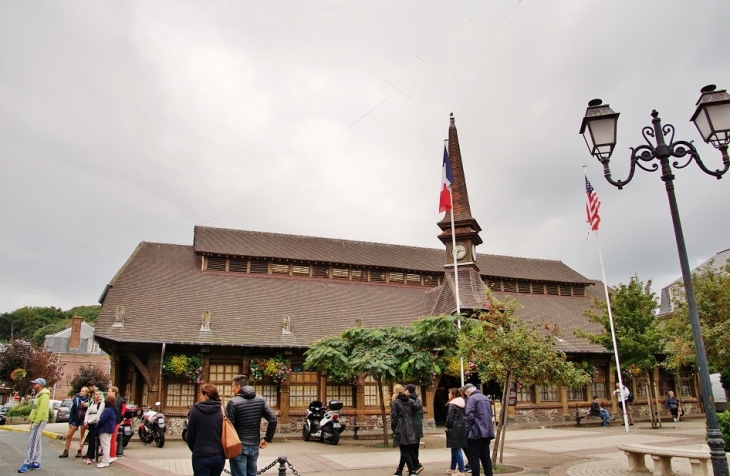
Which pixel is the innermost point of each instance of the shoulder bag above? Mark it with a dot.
(229, 438)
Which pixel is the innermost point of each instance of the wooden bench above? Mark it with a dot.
(586, 415)
(662, 457)
(363, 426)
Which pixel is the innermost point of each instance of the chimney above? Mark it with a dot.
(75, 340)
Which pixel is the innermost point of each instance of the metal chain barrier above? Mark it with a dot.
(282, 468)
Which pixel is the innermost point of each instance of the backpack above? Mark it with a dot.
(631, 397)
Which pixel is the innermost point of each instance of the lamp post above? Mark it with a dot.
(712, 119)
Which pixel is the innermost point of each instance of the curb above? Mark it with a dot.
(47, 434)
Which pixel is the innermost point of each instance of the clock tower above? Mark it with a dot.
(467, 228)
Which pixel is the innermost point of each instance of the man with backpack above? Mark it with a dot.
(624, 397)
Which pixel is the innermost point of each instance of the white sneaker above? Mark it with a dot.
(111, 460)
(102, 465)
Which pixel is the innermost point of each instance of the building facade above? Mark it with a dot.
(235, 299)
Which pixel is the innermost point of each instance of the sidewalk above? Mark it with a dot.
(558, 450)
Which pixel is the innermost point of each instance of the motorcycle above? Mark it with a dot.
(185, 426)
(322, 424)
(153, 426)
(127, 430)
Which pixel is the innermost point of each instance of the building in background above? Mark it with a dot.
(75, 347)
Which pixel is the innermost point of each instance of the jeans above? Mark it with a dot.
(91, 441)
(605, 417)
(479, 451)
(245, 463)
(212, 466)
(457, 460)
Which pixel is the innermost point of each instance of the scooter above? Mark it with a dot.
(322, 424)
(152, 427)
(127, 430)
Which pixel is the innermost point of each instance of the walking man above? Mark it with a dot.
(38, 420)
(245, 410)
(479, 429)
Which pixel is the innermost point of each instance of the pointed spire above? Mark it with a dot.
(462, 210)
(465, 223)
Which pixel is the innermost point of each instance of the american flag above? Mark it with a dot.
(592, 206)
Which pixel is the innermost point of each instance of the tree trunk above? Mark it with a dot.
(502, 418)
(382, 410)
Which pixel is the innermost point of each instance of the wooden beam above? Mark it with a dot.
(142, 369)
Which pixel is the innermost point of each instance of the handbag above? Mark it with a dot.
(229, 438)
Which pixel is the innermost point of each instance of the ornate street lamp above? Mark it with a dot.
(712, 119)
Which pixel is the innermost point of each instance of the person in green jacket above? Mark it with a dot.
(38, 420)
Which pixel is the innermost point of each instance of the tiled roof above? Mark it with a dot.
(163, 284)
(223, 241)
(164, 293)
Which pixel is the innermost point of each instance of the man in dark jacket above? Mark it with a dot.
(245, 410)
(417, 417)
(479, 429)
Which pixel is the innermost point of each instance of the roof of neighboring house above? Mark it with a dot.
(228, 242)
(717, 262)
(163, 284)
(59, 342)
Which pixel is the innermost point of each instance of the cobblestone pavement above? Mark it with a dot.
(559, 450)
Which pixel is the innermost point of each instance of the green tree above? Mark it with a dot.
(402, 353)
(36, 362)
(712, 294)
(39, 336)
(24, 322)
(89, 313)
(506, 348)
(639, 336)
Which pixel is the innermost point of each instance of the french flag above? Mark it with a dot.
(447, 178)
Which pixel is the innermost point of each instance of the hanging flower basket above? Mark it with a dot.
(181, 365)
(275, 367)
(18, 375)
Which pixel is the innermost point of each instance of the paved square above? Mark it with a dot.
(592, 443)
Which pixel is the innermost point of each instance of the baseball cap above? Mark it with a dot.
(41, 381)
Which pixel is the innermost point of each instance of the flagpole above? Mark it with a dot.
(456, 271)
(610, 320)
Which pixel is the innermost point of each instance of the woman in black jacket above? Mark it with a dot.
(404, 435)
(205, 424)
(456, 431)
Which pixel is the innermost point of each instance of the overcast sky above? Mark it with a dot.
(123, 122)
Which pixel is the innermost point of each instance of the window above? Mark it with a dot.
(359, 274)
(538, 288)
(552, 289)
(666, 383)
(564, 290)
(270, 394)
(598, 385)
(279, 268)
(221, 375)
(641, 384)
(577, 393)
(524, 393)
(302, 395)
(509, 286)
(412, 278)
(259, 267)
(237, 265)
(216, 263)
(377, 276)
(396, 277)
(341, 273)
(494, 284)
(548, 393)
(321, 271)
(300, 270)
(523, 287)
(303, 388)
(579, 291)
(342, 393)
(372, 397)
(685, 384)
(94, 347)
(180, 394)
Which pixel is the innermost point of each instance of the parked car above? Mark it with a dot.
(64, 410)
(55, 404)
(3, 414)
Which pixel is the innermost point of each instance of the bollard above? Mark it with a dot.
(282, 465)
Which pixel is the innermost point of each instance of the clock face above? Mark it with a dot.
(459, 251)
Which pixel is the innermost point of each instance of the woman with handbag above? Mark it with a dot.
(205, 424)
(96, 408)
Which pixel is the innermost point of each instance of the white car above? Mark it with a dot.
(54, 404)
